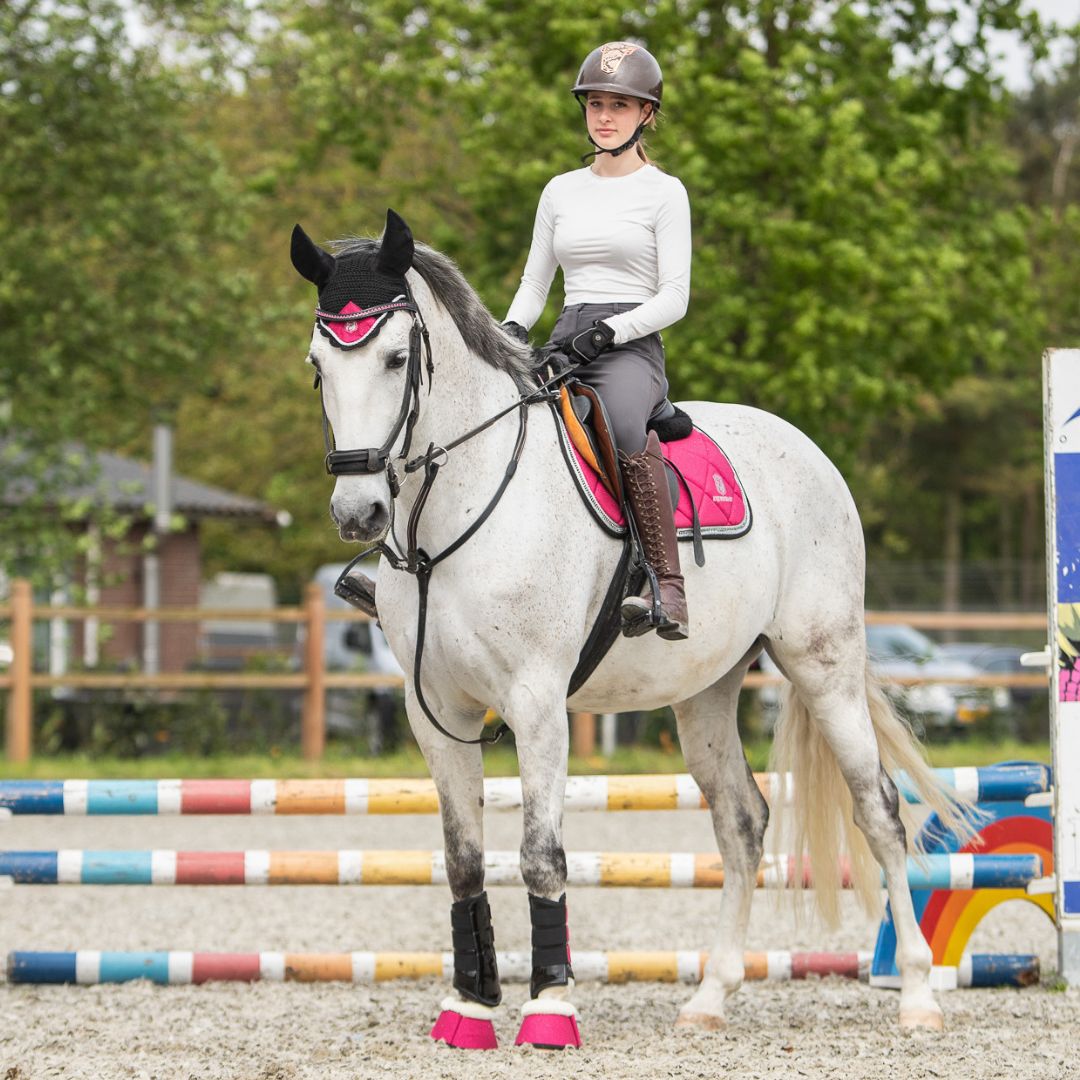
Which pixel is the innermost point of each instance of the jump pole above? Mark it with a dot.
(418, 796)
(90, 967)
(619, 869)
(1061, 428)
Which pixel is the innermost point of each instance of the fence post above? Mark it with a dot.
(20, 700)
(583, 734)
(313, 721)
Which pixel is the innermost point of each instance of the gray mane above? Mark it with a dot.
(481, 333)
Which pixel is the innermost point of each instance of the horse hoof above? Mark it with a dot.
(464, 1032)
(928, 1019)
(701, 1021)
(549, 1031)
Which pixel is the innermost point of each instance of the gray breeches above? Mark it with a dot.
(629, 378)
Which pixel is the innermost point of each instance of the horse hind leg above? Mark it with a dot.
(710, 742)
(831, 722)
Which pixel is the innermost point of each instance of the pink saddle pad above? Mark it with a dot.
(714, 487)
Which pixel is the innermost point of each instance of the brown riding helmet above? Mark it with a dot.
(620, 67)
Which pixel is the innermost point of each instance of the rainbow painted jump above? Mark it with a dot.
(90, 967)
(1010, 783)
(613, 869)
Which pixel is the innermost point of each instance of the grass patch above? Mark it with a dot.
(498, 761)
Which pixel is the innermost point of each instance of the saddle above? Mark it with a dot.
(589, 429)
(706, 495)
(590, 432)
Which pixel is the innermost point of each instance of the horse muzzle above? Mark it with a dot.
(362, 523)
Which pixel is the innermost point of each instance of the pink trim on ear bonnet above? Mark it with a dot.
(350, 332)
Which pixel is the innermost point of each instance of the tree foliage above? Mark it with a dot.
(117, 209)
(854, 243)
(884, 238)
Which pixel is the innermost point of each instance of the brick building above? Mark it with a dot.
(115, 574)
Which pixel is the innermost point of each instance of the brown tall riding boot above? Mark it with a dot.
(650, 500)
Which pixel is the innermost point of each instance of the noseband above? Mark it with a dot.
(377, 459)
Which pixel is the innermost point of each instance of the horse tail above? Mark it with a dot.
(821, 831)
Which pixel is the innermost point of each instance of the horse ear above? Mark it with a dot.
(396, 249)
(310, 260)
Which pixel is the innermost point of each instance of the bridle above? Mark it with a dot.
(372, 460)
(377, 459)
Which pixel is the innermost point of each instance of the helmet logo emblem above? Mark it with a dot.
(613, 54)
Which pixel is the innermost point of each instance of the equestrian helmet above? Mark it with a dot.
(620, 67)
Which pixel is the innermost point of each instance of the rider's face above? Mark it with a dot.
(613, 118)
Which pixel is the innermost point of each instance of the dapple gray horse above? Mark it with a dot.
(414, 363)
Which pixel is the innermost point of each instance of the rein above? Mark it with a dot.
(415, 560)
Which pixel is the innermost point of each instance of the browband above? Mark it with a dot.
(364, 313)
(353, 326)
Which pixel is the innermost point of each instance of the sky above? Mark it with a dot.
(1014, 64)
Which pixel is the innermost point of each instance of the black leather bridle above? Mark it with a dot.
(377, 459)
(372, 460)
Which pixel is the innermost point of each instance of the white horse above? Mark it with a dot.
(509, 610)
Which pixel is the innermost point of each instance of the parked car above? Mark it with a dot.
(897, 650)
(1026, 708)
(360, 645)
(993, 659)
(231, 644)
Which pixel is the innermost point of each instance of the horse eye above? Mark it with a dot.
(397, 360)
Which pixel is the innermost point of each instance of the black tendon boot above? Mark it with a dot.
(550, 944)
(466, 1020)
(550, 1022)
(476, 973)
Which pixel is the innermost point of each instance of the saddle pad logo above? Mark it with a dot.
(721, 491)
(613, 54)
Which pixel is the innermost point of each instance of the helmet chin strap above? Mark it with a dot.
(632, 141)
(618, 149)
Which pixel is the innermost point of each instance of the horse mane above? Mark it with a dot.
(477, 326)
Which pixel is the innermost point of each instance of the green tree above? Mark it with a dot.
(118, 281)
(852, 246)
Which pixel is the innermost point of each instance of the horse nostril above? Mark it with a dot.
(376, 519)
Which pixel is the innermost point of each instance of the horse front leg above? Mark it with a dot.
(466, 1019)
(549, 1019)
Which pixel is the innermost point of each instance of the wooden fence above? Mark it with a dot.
(314, 680)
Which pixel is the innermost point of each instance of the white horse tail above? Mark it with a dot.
(821, 829)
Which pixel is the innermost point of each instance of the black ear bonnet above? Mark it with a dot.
(369, 285)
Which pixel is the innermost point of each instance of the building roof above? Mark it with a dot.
(128, 486)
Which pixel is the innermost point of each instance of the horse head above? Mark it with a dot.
(365, 350)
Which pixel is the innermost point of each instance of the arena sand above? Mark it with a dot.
(830, 1028)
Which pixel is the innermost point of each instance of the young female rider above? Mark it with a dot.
(620, 230)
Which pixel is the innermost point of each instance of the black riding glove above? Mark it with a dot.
(589, 344)
(516, 331)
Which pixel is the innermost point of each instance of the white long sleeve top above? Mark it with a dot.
(620, 239)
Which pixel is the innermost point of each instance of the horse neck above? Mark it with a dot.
(464, 391)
